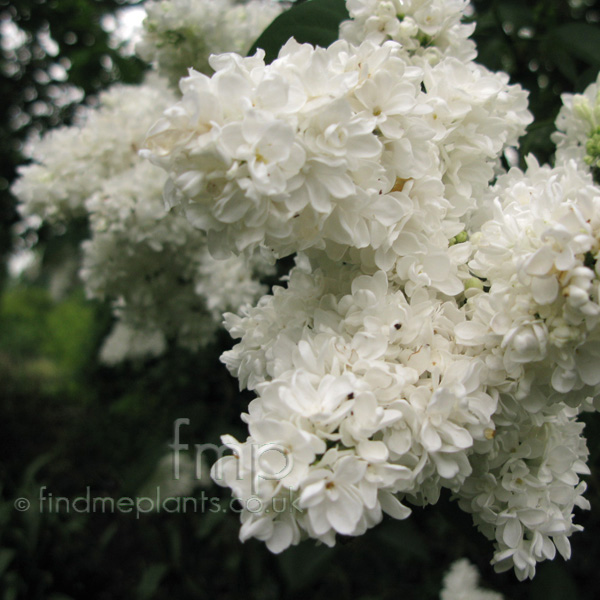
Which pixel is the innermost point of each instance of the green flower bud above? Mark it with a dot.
(474, 282)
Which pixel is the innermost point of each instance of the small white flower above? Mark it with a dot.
(461, 582)
(179, 34)
(335, 494)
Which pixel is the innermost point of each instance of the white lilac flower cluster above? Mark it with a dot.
(440, 327)
(147, 260)
(345, 148)
(578, 125)
(433, 324)
(366, 389)
(156, 269)
(534, 320)
(461, 582)
(522, 492)
(179, 34)
(426, 28)
(539, 319)
(71, 163)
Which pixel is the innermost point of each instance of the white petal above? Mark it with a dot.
(392, 506)
(373, 451)
(446, 465)
(312, 494)
(513, 533)
(541, 262)
(588, 367)
(281, 539)
(544, 289)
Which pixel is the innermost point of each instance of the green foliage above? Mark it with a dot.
(548, 47)
(314, 22)
(582, 40)
(45, 341)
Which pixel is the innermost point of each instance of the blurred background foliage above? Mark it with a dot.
(69, 423)
(55, 53)
(548, 47)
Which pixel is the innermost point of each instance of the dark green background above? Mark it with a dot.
(68, 423)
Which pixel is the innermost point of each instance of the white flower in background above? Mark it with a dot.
(430, 28)
(126, 342)
(578, 125)
(71, 163)
(182, 34)
(149, 262)
(155, 268)
(461, 582)
(165, 482)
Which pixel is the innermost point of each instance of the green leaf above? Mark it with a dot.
(563, 60)
(404, 539)
(586, 78)
(516, 13)
(582, 40)
(6, 556)
(12, 585)
(553, 582)
(150, 581)
(209, 521)
(314, 22)
(303, 565)
(495, 54)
